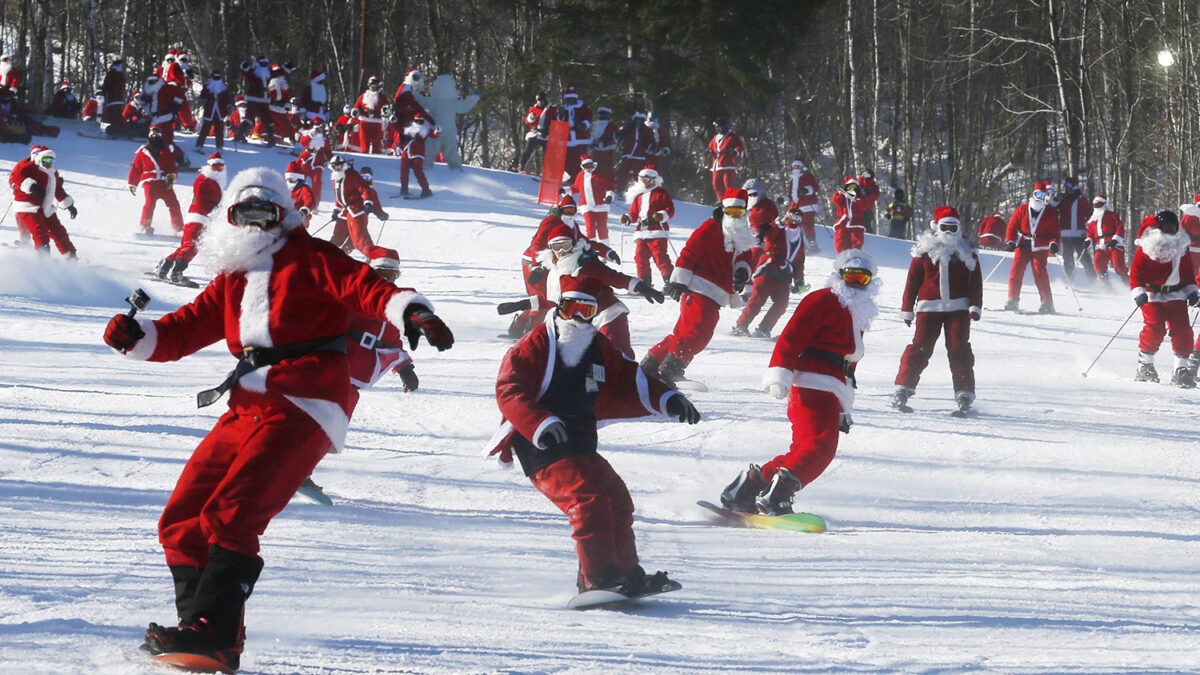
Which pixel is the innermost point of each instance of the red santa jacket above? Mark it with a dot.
(707, 262)
(147, 167)
(167, 103)
(114, 86)
(820, 322)
(851, 211)
(625, 392)
(1189, 221)
(214, 101)
(532, 120)
(351, 193)
(645, 204)
(256, 77)
(302, 197)
(992, 230)
(774, 260)
(1106, 230)
(579, 118)
(1036, 231)
(585, 272)
(314, 99)
(374, 348)
(370, 106)
(405, 106)
(206, 194)
(870, 192)
(10, 76)
(1073, 216)
(305, 292)
(726, 150)
(25, 177)
(1161, 267)
(942, 277)
(91, 110)
(279, 92)
(591, 188)
(802, 191)
(416, 133)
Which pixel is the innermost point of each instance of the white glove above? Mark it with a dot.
(777, 390)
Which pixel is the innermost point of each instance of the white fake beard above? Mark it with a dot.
(859, 301)
(219, 176)
(1164, 247)
(1036, 204)
(1097, 215)
(737, 234)
(232, 248)
(940, 245)
(574, 338)
(636, 188)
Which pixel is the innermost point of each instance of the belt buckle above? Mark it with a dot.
(368, 340)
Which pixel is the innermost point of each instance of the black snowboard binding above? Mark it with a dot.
(776, 500)
(900, 399)
(740, 494)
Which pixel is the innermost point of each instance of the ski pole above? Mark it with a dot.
(1071, 288)
(1110, 340)
(5, 216)
(998, 264)
(327, 223)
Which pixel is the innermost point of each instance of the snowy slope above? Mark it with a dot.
(1056, 531)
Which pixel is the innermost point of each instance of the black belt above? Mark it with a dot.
(1164, 289)
(254, 358)
(370, 340)
(836, 360)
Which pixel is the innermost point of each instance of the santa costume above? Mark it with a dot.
(991, 231)
(1073, 214)
(943, 294)
(850, 225)
(215, 106)
(352, 204)
(1106, 235)
(593, 190)
(1033, 236)
(412, 154)
(207, 190)
(803, 201)
(1189, 223)
(37, 194)
(1163, 284)
(772, 276)
(725, 149)
(650, 209)
(154, 170)
(370, 117)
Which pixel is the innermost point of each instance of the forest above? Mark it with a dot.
(964, 102)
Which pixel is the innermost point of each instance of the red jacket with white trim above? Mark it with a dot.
(206, 194)
(1039, 230)
(942, 278)
(726, 150)
(1161, 267)
(644, 206)
(820, 322)
(1107, 232)
(147, 167)
(351, 193)
(591, 188)
(22, 181)
(706, 264)
(802, 191)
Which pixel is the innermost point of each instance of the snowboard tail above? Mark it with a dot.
(599, 598)
(192, 663)
(793, 522)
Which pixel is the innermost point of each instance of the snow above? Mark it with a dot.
(1054, 531)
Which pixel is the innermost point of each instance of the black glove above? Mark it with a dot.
(408, 376)
(382, 215)
(647, 291)
(536, 275)
(1010, 246)
(1194, 299)
(1141, 299)
(419, 321)
(123, 333)
(38, 190)
(1087, 243)
(674, 290)
(741, 275)
(554, 435)
(682, 410)
(647, 222)
(1054, 248)
(845, 423)
(608, 199)
(514, 306)
(613, 257)
(624, 219)
(73, 211)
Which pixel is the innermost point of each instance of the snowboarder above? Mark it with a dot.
(651, 209)
(714, 266)
(64, 103)
(594, 191)
(803, 200)
(405, 105)
(604, 142)
(1106, 236)
(37, 193)
(289, 397)
(154, 171)
(554, 386)
(813, 367)
(1163, 284)
(772, 274)
(352, 204)
(1033, 236)
(725, 149)
(412, 155)
(943, 294)
(206, 194)
(897, 214)
(850, 227)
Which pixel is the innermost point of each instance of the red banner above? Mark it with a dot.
(556, 160)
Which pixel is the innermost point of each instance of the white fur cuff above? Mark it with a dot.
(907, 316)
(783, 377)
(399, 302)
(145, 347)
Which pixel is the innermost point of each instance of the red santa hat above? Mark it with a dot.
(560, 233)
(734, 198)
(317, 119)
(850, 180)
(294, 173)
(412, 76)
(170, 55)
(945, 215)
(639, 114)
(648, 172)
(570, 91)
(1103, 199)
(34, 150)
(1196, 199)
(799, 164)
(215, 159)
(586, 159)
(241, 100)
(386, 261)
(567, 201)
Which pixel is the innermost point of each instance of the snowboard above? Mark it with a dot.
(153, 236)
(314, 495)
(605, 598)
(690, 385)
(192, 663)
(184, 282)
(793, 522)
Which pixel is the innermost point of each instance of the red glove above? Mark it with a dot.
(123, 333)
(424, 322)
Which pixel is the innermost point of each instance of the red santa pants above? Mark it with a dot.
(417, 166)
(1041, 278)
(600, 510)
(1157, 318)
(214, 127)
(765, 288)
(317, 177)
(808, 220)
(698, 317)
(44, 229)
(1102, 258)
(644, 250)
(240, 476)
(815, 416)
(370, 136)
(957, 328)
(848, 237)
(188, 245)
(722, 181)
(617, 332)
(596, 225)
(350, 233)
(156, 190)
(282, 126)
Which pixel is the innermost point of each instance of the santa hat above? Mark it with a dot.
(1042, 185)
(385, 262)
(850, 180)
(1196, 199)
(295, 172)
(1103, 199)
(317, 119)
(586, 159)
(215, 159)
(566, 201)
(34, 150)
(734, 198)
(570, 91)
(945, 214)
(241, 100)
(170, 56)
(412, 76)
(799, 164)
(1070, 180)
(648, 172)
(42, 153)
(602, 109)
(560, 234)
(639, 114)
(182, 57)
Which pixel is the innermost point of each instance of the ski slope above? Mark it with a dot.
(1054, 531)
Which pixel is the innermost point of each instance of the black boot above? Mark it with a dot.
(739, 495)
(650, 365)
(176, 272)
(776, 500)
(163, 269)
(671, 369)
(187, 578)
(408, 375)
(1183, 378)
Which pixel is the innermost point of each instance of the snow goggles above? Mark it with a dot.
(1040, 194)
(734, 211)
(578, 308)
(561, 245)
(47, 161)
(261, 214)
(569, 210)
(948, 227)
(856, 277)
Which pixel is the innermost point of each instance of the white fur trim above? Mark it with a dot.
(698, 284)
(643, 389)
(943, 305)
(328, 415)
(537, 434)
(254, 316)
(907, 316)
(200, 218)
(651, 234)
(775, 375)
(609, 314)
(822, 382)
(975, 309)
(399, 302)
(145, 347)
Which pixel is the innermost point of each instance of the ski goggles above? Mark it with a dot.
(856, 277)
(569, 210)
(47, 162)
(1040, 194)
(948, 227)
(261, 214)
(561, 245)
(578, 308)
(734, 211)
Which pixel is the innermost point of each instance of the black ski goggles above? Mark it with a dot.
(261, 214)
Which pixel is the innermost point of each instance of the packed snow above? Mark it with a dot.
(1055, 530)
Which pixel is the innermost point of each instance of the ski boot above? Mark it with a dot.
(404, 192)
(740, 494)
(798, 285)
(176, 272)
(776, 500)
(671, 369)
(1047, 307)
(408, 375)
(739, 330)
(163, 269)
(1146, 373)
(900, 399)
(1193, 363)
(964, 399)
(1011, 305)
(1183, 378)
(761, 333)
(426, 193)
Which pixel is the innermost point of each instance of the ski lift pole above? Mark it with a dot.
(1110, 340)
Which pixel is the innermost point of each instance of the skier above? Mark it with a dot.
(1163, 284)
(651, 208)
(803, 200)
(714, 266)
(991, 231)
(869, 192)
(1033, 235)
(813, 367)
(256, 74)
(850, 228)
(300, 184)
(288, 404)
(772, 274)
(633, 137)
(370, 117)
(898, 213)
(1073, 216)
(215, 108)
(579, 122)
(595, 192)
(154, 171)
(1106, 236)
(346, 128)
(534, 136)
(37, 193)
(352, 203)
(1190, 224)
(725, 149)
(412, 155)
(206, 194)
(314, 99)
(604, 142)
(114, 99)
(943, 294)
(279, 95)
(553, 387)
